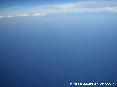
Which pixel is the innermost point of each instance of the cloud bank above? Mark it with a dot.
(81, 6)
(23, 15)
(84, 6)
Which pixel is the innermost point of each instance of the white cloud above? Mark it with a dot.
(39, 14)
(110, 9)
(10, 16)
(82, 4)
(22, 15)
(2, 16)
(60, 6)
(43, 14)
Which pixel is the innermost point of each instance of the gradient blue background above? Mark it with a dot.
(25, 3)
(57, 49)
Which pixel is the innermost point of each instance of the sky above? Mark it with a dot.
(40, 8)
(52, 43)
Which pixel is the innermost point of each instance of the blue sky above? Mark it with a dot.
(8, 3)
(51, 43)
(14, 8)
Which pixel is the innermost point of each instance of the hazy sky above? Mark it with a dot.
(14, 8)
(51, 43)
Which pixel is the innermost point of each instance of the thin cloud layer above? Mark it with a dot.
(8, 16)
(82, 6)
(1, 16)
(23, 15)
(13, 8)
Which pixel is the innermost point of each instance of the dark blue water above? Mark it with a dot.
(56, 50)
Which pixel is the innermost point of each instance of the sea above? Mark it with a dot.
(59, 50)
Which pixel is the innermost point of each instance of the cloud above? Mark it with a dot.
(110, 9)
(13, 8)
(82, 5)
(39, 14)
(22, 15)
(60, 6)
(2, 16)
(10, 16)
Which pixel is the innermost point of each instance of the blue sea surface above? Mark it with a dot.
(58, 49)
